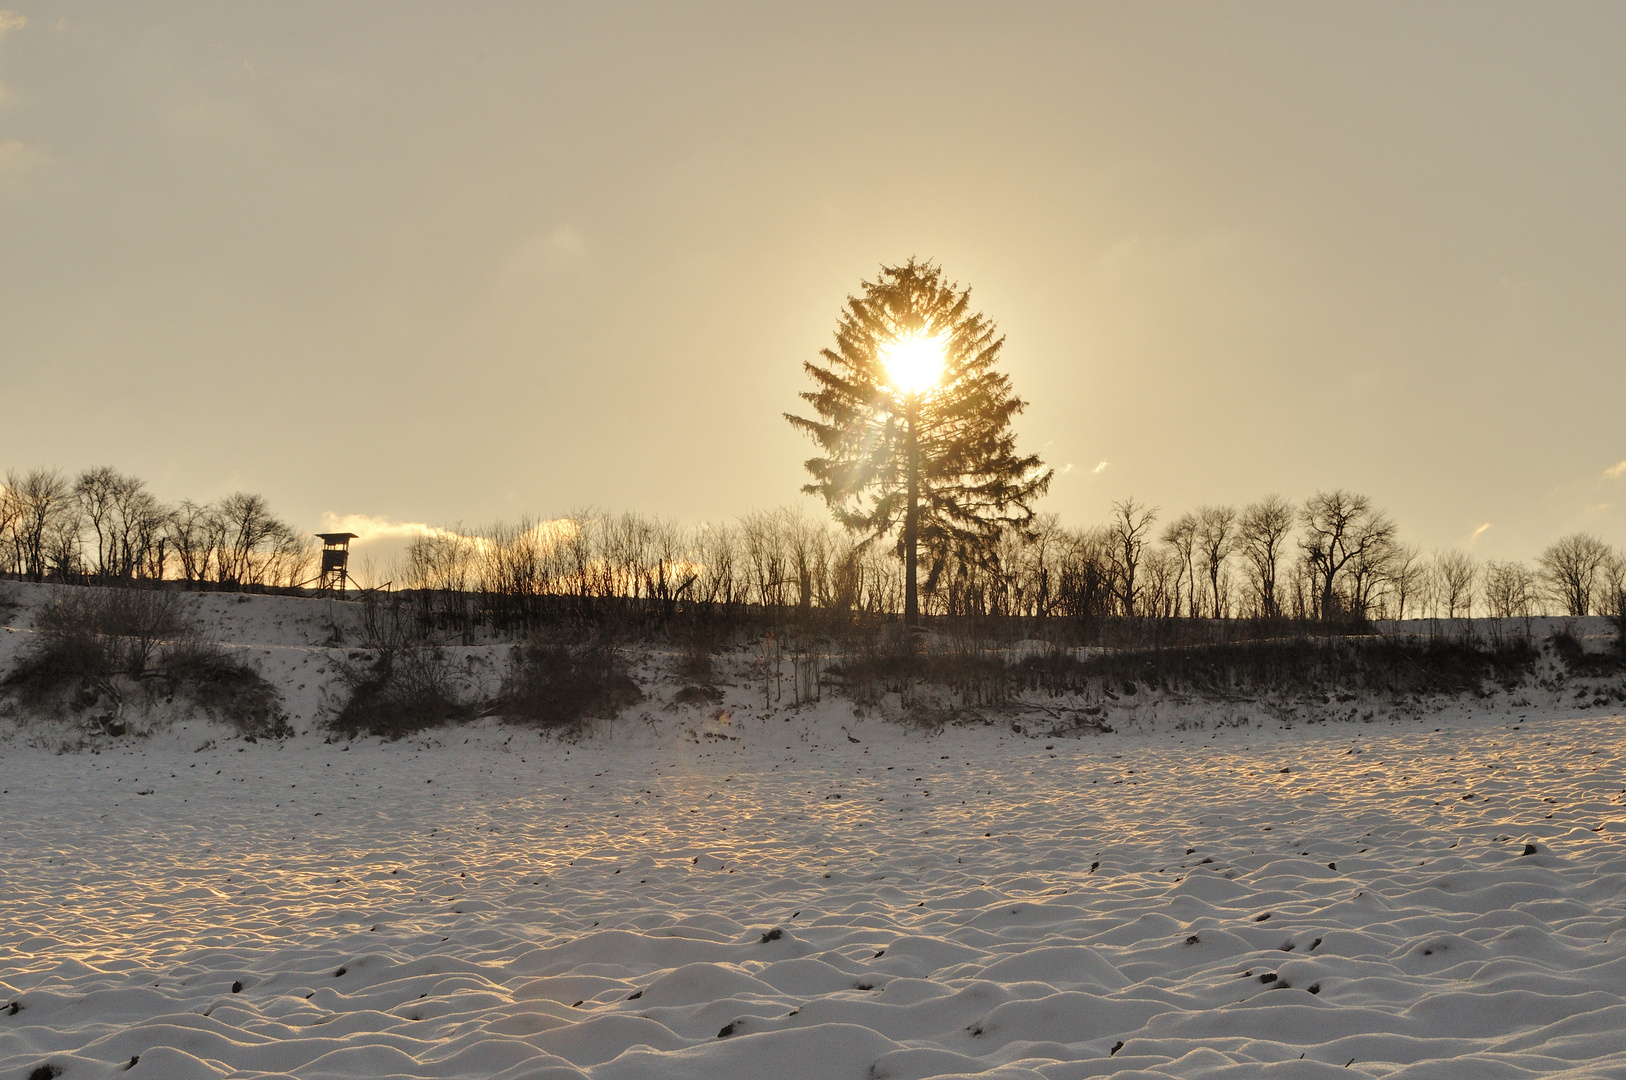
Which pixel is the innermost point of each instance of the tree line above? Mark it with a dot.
(105, 527)
(1334, 557)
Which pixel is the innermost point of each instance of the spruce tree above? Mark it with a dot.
(928, 456)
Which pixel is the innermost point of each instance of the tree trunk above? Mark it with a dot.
(911, 521)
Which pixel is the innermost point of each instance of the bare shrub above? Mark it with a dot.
(402, 689)
(99, 651)
(695, 661)
(223, 687)
(115, 629)
(1312, 669)
(555, 684)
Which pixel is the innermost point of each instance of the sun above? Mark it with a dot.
(914, 364)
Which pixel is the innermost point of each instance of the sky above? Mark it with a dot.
(450, 263)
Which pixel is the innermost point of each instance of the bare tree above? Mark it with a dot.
(625, 543)
(1368, 579)
(1181, 535)
(95, 490)
(1510, 590)
(1339, 529)
(1216, 537)
(766, 561)
(10, 513)
(808, 546)
(1570, 570)
(1045, 554)
(1086, 574)
(291, 560)
(194, 530)
(138, 531)
(670, 574)
(1261, 536)
(1407, 578)
(1454, 578)
(1001, 574)
(44, 503)
(846, 577)
(1127, 530)
(64, 546)
(1160, 574)
(253, 540)
(1613, 586)
(717, 551)
(1299, 597)
(126, 521)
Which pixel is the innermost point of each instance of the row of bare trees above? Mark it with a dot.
(1334, 557)
(516, 575)
(104, 526)
(1337, 557)
(1330, 558)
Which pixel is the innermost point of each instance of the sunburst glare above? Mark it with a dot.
(914, 364)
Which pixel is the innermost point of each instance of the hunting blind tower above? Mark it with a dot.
(335, 561)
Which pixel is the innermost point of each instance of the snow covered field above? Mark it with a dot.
(777, 900)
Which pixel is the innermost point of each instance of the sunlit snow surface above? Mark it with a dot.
(906, 906)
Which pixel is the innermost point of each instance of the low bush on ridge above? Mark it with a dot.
(1580, 662)
(101, 656)
(1313, 667)
(404, 689)
(1299, 667)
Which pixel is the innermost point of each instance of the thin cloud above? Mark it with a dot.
(9, 20)
(19, 157)
(1478, 533)
(1067, 468)
(367, 527)
(1615, 472)
(1100, 467)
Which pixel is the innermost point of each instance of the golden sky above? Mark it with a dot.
(442, 262)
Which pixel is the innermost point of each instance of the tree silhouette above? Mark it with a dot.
(934, 460)
(1343, 532)
(1571, 569)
